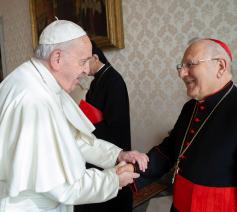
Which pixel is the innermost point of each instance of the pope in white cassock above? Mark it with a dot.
(45, 139)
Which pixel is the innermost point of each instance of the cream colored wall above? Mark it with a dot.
(156, 33)
(17, 31)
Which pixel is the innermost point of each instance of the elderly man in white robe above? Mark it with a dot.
(45, 139)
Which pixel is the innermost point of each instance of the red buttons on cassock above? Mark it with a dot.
(202, 107)
(196, 120)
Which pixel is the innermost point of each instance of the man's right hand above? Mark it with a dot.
(126, 178)
(125, 173)
(125, 168)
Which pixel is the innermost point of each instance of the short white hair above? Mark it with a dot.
(43, 51)
(213, 49)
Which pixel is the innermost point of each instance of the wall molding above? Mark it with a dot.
(2, 45)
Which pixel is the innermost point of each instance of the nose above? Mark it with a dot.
(183, 72)
(87, 68)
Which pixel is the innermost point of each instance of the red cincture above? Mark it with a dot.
(190, 197)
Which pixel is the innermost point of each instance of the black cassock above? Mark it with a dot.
(209, 164)
(109, 94)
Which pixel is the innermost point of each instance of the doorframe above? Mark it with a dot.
(2, 42)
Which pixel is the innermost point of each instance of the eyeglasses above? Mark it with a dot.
(192, 63)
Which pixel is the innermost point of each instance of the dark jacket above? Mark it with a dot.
(211, 159)
(108, 93)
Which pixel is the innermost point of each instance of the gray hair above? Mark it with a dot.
(214, 49)
(43, 51)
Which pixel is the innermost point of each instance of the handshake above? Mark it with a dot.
(125, 171)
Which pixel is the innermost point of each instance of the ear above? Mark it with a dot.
(221, 68)
(96, 56)
(55, 59)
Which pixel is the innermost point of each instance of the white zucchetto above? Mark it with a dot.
(60, 31)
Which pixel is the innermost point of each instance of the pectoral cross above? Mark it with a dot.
(176, 170)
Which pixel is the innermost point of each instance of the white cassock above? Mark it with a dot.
(45, 141)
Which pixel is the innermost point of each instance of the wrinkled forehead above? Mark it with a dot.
(196, 51)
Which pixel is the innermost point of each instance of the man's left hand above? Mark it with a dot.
(133, 157)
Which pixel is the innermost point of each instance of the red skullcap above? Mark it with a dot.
(223, 45)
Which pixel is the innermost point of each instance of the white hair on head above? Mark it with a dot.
(43, 51)
(214, 49)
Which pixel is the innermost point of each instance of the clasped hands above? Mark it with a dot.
(125, 169)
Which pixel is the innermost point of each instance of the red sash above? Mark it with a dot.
(190, 197)
(91, 112)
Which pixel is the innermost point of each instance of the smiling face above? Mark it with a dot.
(201, 79)
(71, 63)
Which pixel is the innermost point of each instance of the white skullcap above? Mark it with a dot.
(60, 31)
